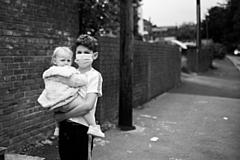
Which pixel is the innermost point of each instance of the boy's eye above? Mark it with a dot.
(86, 52)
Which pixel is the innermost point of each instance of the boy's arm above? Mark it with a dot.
(80, 110)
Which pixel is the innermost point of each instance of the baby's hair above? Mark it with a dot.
(87, 41)
(56, 51)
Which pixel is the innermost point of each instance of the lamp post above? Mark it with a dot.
(198, 32)
(207, 16)
(198, 25)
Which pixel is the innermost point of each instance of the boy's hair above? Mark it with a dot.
(56, 51)
(87, 41)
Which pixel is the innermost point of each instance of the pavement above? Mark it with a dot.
(235, 60)
(198, 120)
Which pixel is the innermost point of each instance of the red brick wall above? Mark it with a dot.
(29, 30)
(156, 69)
(108, 64)
(165, 68)
(141, 73)
(205, 59)
(198, 63)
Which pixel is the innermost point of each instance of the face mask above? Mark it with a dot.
(84, 60)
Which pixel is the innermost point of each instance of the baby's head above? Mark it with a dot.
(62, 56)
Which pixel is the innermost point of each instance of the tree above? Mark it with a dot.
(216, 24)
(232, 26)
(187, 32)
(96, 16)
(136, 5)
(99, 16)
(224, 24)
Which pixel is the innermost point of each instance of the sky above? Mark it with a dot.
(175, 12)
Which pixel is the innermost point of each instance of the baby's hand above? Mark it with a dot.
(77, 80)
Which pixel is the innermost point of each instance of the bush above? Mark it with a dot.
(219, 51)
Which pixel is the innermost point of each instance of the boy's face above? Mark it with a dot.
(85, 57)
(63, 59)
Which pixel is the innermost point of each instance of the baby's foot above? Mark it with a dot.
(95, 131)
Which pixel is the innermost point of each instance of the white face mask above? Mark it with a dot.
(84, 60)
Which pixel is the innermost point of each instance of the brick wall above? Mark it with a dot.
(205, 59)
(156, 69)
(199, 63)
(108, 64)
(29, 30)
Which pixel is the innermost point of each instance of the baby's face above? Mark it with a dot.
(63, 59)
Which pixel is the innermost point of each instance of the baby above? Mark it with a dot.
(62, 83)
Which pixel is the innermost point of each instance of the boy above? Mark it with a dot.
(62, 83)
(74, 142)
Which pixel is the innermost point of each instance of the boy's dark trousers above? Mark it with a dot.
(73, 141)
